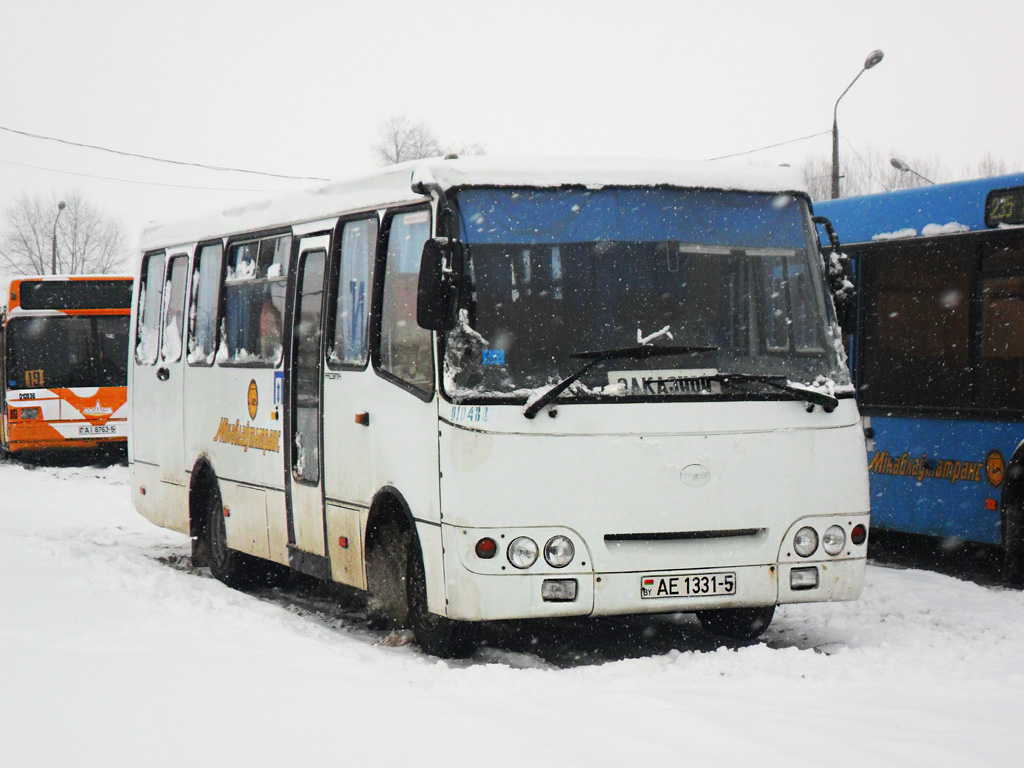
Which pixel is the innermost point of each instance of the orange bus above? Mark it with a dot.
(64, 362)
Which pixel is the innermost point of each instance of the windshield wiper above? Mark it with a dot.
(599, 356)
(781, 383)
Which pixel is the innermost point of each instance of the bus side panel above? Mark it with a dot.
(277, 526)
(233, 418)
(149, 496)
(245, 518)
(940, 477)
(346, 528)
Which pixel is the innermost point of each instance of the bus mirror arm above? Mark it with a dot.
(833, 238)
(837, 269)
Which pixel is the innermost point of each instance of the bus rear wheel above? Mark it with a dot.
(437, 635)
(737, 623)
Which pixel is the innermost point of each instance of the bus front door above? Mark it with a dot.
(306, 529)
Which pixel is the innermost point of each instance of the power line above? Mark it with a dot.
(135, 181)
(771, 146)
(158, 159)
(866, 164)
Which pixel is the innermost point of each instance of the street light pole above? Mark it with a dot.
(53, 254)
(873, 58)
(899, 165)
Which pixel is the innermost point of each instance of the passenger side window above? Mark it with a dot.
(204, 305)
(405, 348)
(147, 335)
(348, 344)
(174, 310)
(254, 291)
(915, 325)
(999, 376)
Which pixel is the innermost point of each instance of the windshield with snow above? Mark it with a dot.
(555, 273)
(52, 352)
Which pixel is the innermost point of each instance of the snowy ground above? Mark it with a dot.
(113, 652)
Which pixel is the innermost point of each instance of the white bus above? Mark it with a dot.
(484, 390)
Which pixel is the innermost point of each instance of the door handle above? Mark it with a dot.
(163, 373)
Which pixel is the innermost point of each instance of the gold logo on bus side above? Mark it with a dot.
(995, 468)
(254, 399)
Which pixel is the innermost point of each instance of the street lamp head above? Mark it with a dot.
(898, 164)
(61, 205)
(873, 58)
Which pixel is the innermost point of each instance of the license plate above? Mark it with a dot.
(688, 585)
(98, 429)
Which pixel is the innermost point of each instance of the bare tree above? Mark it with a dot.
(87, 240)
(872, 171)
(400, 139)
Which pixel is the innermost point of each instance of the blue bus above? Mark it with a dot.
(935, 335)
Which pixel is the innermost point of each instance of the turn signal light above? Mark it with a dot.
(486, 548)
(859, 534)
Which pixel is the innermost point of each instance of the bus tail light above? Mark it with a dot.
(486, 548)
(859, 534)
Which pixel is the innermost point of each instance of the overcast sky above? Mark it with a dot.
(301, 87)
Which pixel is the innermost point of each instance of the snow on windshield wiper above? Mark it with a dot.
(781, 383)
(600, 356)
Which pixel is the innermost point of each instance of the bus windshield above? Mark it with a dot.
(552, 273)
(63, 351)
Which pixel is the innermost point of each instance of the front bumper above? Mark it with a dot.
(495, 591)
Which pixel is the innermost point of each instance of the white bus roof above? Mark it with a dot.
(392, 185)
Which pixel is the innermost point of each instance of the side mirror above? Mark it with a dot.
(437, 295)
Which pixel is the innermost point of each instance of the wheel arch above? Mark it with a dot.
(202, 483)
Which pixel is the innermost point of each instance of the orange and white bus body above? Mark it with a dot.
(64, 363)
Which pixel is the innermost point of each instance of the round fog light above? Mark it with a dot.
(833, 540)
(559, 551)
(522, 552)
(805, 541)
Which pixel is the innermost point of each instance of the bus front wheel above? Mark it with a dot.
(737, 623)
(437, 635)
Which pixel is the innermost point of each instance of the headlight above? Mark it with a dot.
(833, 540)
(28, 413)
(559, 551)
(522, 552)
(805, 541)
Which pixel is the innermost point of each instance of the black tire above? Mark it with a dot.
(737, 623)
(235, 569)
(437, 635)
(386, 567)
